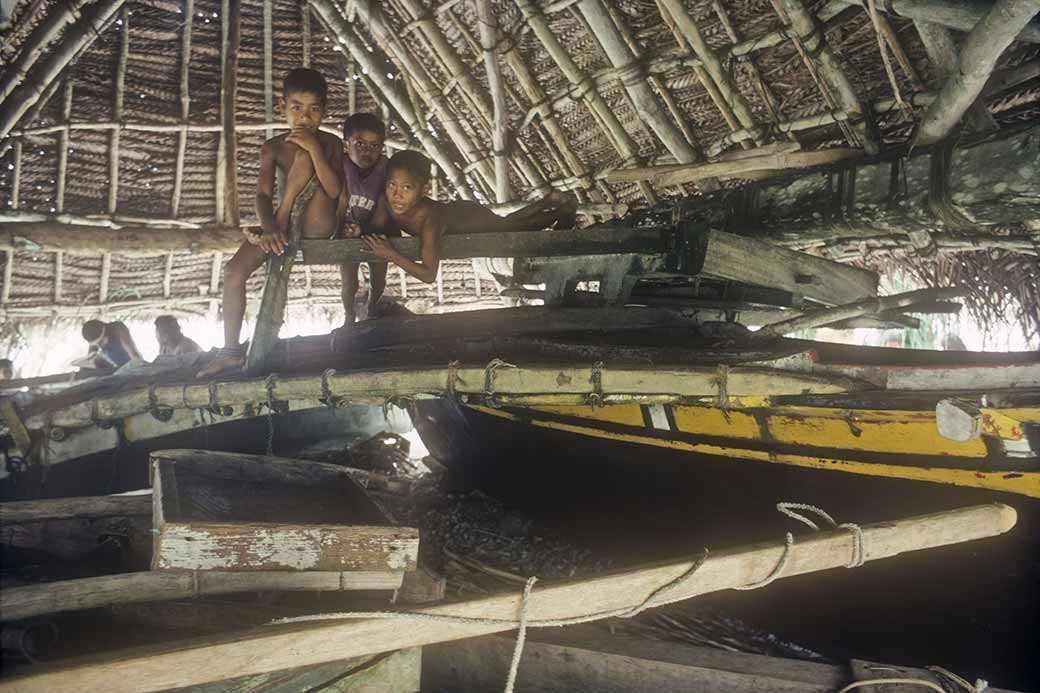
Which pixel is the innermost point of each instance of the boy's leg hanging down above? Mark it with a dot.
(348, 274)
(376, 286)
(245, 261)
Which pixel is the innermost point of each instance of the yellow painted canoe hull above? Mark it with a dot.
(902, 444)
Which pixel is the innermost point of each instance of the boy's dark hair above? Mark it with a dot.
(6, 363)
(411, 162)
(92, 329)
(364, 121)
(306, 80)
(167, 323)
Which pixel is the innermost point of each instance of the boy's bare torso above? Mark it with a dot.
(425, 218)
(319, 214)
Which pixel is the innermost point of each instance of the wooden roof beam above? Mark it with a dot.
(117, 110)
(941, 48)
(979, 54)
(961, 15)
(500, 121)
(58, 18)
(44, 75)
(586, 89)
(185, 98)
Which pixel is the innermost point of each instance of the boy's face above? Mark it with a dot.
(304, 110)
(403, 191)
(364, 148)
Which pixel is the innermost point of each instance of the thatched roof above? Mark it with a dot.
(589, 86)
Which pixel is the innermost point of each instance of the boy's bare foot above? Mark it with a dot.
(227, 359)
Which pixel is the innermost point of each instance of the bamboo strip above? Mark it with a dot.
(5, 295)
(16, 176)
(185, 98)
(58, 261)
(106, 273)
(300, 644)
(63, 148)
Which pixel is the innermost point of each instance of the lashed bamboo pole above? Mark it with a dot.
(167, 282)
(268, 67)
(711, 63)
(586, 88)
(892, 39)
(768, 161)
(939, 44)
(59, 258)
(185, 99)
(835, 87)
(305, 29)
(63, 148)
(97, 220)
(332, 18)
(372, 16)
(16, 176)
(57, 20)
(106, 273)
(76, 38)
(979, 54)
(5, 294)
(299, 644)
(231, 31)
(633, 80)
(961, 15)
(470, 88)
(500, 121)
(119, 91)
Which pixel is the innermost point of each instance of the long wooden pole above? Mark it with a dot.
(185, 98)
(119, 91)
(939, 44)
(300, 644)
(979, 55)
(500, 121)
(228, 91)
(63, 148)
(960, 15)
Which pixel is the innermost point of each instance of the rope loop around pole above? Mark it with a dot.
(489, 380)
(595, 398)
(453, 376)
(326, 392)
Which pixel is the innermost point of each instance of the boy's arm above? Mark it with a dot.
(271, 235)
(327, 167)
(127, 341)
(429, 244)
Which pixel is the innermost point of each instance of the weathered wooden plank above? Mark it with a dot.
(78, 507)
(301, 644)
(17, 603)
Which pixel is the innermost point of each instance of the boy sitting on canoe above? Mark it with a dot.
(405, 206)
(298, 157)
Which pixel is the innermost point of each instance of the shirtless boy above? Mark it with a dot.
(297, 156)
(406, 207)
(364, 178)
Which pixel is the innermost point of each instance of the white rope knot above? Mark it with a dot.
(489, 379)
(326, 391)
(595, 398)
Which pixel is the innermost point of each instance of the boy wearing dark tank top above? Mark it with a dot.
(364, 179)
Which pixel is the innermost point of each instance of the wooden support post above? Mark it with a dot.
(185, 98)
(117, 111)
(167, 275)
(268, 68)
(230, 31)
(835, 87)
(214, 273)
(979, 53)
(5, 295)
(58, 262)
(305, 26)
(301, 644)
(106, 271)
(500, 120)
(63, 148)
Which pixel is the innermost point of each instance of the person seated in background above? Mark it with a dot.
(111, 345)
(6, 369)
(405, 206)
(171, 341)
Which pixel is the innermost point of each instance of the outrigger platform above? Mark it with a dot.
(651, 376)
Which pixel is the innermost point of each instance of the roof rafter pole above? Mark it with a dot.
(979, 54)
(488, 39)
(63, 147)
(77, 37)
(106, 273)
(185, 94)
(5, 295)
(16, 178)
(117, 111)
(268, 68)
(338, 26)
(633, 79)
(463, 74)
(837, 91)
(942, 52)
(57, 19)
(961, 15)
(373, 18)
(59, 261)
(711, 62)
(230, 31)
(167, 282)
(892, 39)
(305, 26)
(586, 88)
